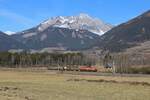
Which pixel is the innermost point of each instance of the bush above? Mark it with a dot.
(140, 70)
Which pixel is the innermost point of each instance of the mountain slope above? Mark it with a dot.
(54, 37)
(127, 35)
(7, 43)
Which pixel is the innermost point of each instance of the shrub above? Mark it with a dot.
(139, 70)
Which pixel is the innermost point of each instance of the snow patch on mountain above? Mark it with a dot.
(73, 35)
(29, 35)
(9, 32)
(43, 37)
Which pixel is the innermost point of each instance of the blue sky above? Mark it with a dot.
(18, 15)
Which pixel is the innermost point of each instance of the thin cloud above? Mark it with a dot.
(15, 17)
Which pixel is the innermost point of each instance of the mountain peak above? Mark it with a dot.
(82, 21)
(84, 15)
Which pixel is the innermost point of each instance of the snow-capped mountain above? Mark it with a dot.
(69, 33)
(82, 21)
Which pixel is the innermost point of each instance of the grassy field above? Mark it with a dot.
(16, 85)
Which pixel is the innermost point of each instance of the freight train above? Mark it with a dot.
(75, 68)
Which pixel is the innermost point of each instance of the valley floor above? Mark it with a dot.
(15, 85)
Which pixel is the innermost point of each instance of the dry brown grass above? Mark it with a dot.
(16, 85)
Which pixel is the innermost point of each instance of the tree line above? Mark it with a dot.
(25, 59)
(119, 63)
(128, 62)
